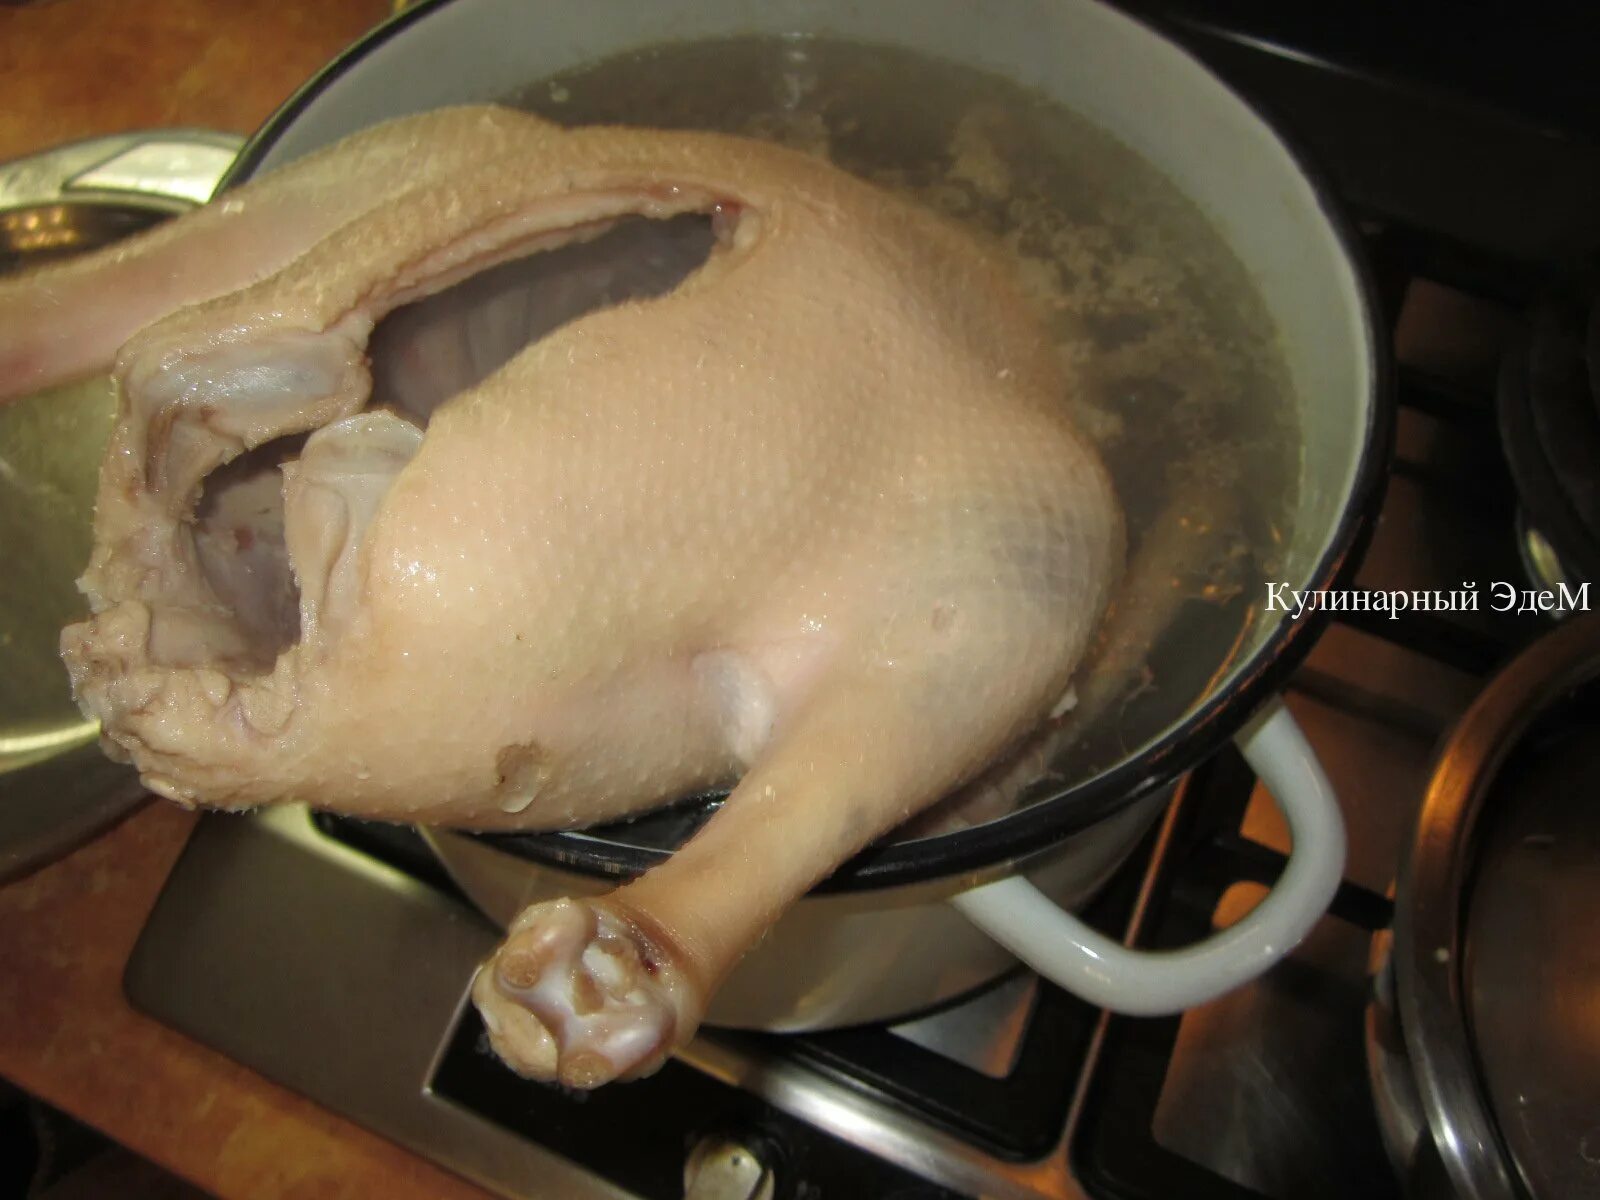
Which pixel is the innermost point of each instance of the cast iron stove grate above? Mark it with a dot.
(1017, 1116)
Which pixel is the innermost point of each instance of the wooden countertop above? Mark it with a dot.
(76, 68)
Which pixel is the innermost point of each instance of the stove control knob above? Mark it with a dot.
(724, 1168)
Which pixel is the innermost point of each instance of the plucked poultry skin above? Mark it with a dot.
(813, 520)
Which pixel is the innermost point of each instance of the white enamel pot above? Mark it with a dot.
(914, 922)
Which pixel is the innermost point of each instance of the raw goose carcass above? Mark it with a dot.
(813, 520)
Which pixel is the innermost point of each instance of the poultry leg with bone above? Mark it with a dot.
(813, 520)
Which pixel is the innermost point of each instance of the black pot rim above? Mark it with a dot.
(1202, 732)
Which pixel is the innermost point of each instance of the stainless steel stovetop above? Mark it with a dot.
(332, 958)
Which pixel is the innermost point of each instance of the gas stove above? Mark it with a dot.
(334, 956)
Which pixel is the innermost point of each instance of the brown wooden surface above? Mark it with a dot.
(76, 68)
(71, 69)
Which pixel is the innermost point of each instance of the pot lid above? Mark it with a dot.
(1498, 958)
(57, 788)
(1549, 413)
(1532, 965)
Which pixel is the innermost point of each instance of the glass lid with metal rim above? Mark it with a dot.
(56, 787)
(1497, 966)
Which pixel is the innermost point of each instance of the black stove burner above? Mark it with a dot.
(637, 1135)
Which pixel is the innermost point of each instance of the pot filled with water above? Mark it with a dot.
(1198, 295)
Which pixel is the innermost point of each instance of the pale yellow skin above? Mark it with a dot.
(816, 521)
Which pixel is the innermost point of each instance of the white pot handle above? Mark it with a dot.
(1153, 983)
